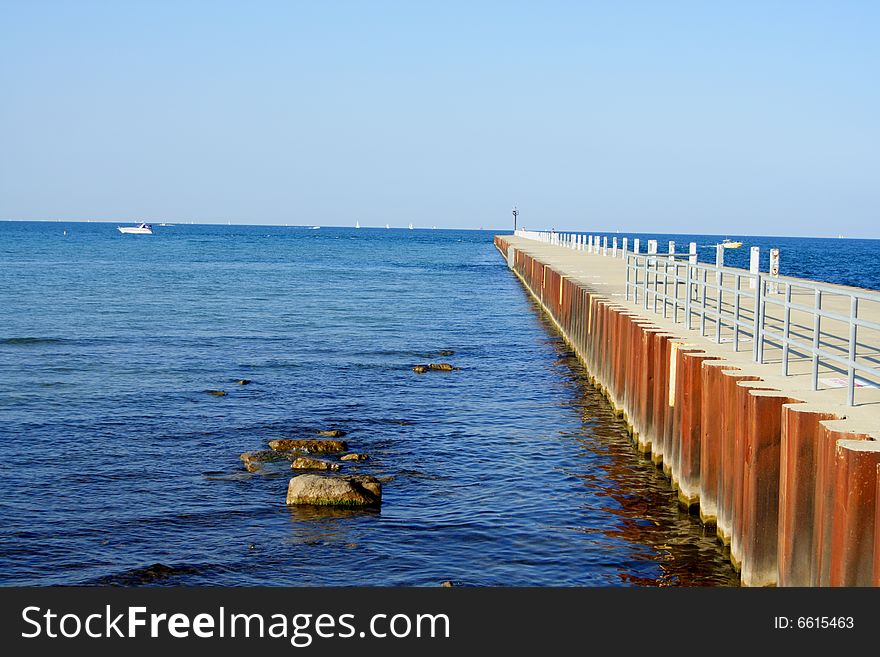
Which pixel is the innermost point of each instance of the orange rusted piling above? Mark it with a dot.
(630, 354)
(798, 475)
(730, 477)
(660, 394)
(877, 531)
(648, 339)
(689, 456)
(679, 382)
(620, 326)
(763, 442)
(740, 516)
(600, 333)
(710, 438)
(632, 362)
(826, 482)
(732, 409)
(854, 511)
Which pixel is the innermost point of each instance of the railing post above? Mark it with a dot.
(604, 245)
(614, 247)
(754, 264)
(817, 332)
(675, 281)
(636, 243)
(758, 353)
(853, 332)
(719, 275)
(786, 327)
(718, 308)
(703, 303)
(652, 249)
(667, 262)
(736, 291)
(623, 248)
(687, 296)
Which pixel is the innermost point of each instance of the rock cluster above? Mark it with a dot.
(314, 489)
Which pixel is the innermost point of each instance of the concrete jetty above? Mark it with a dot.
(757, 395)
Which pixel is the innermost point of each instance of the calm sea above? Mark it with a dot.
(508, 471)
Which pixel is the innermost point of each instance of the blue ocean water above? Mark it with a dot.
(508, 471)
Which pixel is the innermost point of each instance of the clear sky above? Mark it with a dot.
(735, 118)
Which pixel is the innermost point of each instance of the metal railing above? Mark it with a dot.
(740, 306)
(737, 305)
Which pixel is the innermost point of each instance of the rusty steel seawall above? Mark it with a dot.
(792, 494)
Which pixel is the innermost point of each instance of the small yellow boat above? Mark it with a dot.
(730, 244)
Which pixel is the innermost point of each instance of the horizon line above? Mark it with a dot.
(622, 233)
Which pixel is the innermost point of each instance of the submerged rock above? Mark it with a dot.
(420, 369)
(157, 572)
(354, 457)
(443, 367)
(254, 461)
(223, 476)
(261, 456)
(305, 463)
(309, 445)
(334, 490)
(243, 382)
(331, 433)
(447, 584)
(257, 460)
(217, 393)
(446, 352)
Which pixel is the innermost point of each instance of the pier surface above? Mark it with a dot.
(789, 475)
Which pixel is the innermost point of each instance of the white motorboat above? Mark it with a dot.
(142, 229)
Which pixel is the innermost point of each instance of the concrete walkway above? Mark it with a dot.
(788, 476)
(606, 276)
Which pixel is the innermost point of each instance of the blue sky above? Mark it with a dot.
(746, 117)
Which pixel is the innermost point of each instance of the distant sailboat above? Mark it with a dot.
(387, 226)
(410, 226)
(357, 224)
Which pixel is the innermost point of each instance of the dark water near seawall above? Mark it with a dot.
(509, 471)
